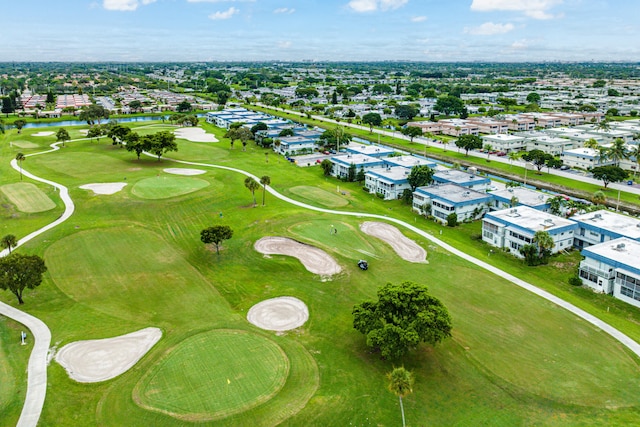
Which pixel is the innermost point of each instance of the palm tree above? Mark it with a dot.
(618, 151)
(603, 125)
(603, 154)
(400, 383)
(544, 240)
(488, 148)
(252, 185)
(599, 198)
(9, 241)
(513, 155)
(265, 180)
(591, 143)
(444, 145)
(635, 153)
(19, 158)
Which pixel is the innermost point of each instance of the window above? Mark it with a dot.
(588, 276)
(629, 286)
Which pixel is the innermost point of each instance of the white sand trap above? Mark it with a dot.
(314, 259)
(105, 188)
(83, 131)
(43, 134)
(279, 314)
(184, 171)
(194, 135)
(100, 360)
(406, 248)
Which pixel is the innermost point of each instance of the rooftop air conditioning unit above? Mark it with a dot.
(620, 247)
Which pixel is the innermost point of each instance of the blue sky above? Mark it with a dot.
(338, 30)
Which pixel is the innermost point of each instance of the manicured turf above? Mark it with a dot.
(27, 197)
(213, 375)
(314, 195)
(13, 362)
(164, 187)
(122, 263)
(24, 144)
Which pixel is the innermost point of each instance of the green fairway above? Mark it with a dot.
(213, 375)
(27, 197)
(164, 187)
(135, 259)
(314, 195)
(13, 362)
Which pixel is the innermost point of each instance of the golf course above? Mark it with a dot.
(132, 258)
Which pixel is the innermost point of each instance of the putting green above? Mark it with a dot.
(319, 196)
(213, 375)
(24, 144)
(27, 197)
(163, 187)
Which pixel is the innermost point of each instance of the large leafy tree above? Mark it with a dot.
(469, 142)
(184, 106)
(95, 132)
(265, 181)
(609, 174)
(162, 143)
(216, 235)
(118, 133)
(62, 136)
(401, 384)
(449, 105)
(9, 241)
(538, 157)
(412, 132)
(252, 185)
(19, 124)
(404, 316)
(420, 176)
(327, 167)
(138, 144)
(93, 114)
(19, 272)
(333, 138)
(372, 119)
(406, 112)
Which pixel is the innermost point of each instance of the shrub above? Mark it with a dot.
(575, 280)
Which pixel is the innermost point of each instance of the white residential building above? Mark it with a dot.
(612, 267)
(604, 225)
(513, 228)
(440, 201)
(505, 142)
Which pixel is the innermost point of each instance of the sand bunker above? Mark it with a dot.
(105, 188)
(279, 314)
(194, 135)
(184, 171)
(43, 134)
(100, 360)
(315, 260)
(406, 248)
(83, 131)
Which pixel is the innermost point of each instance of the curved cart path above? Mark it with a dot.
(37, 369)
(621, 337)
(40, 333)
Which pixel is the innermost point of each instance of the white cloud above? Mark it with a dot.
(519, 45)
(489, 29)
(284, 10)
(125, 5)
(284, 44)
(373, 5)
(536, 9)
(219, 15)
(418, 19)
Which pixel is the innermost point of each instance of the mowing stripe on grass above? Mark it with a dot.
(27, 197)
(213, 375)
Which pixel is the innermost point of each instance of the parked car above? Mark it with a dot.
(564, 167)
(326, 152)
(501, 154)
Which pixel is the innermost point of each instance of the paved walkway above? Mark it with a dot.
(40, 333)
(621, 337)
(37, 369)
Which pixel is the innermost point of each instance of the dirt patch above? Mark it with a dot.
(104, 188)
(314, 259)
(406, 248)
(100, 360)
(184, 171)
(194, 135)
(279, 314)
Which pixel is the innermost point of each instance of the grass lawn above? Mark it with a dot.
(13, 363)
(314, 195)
(164, 187)
(27, 197)
(122, 263)
(240, 369)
